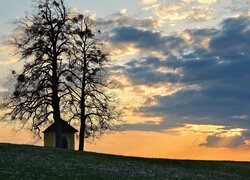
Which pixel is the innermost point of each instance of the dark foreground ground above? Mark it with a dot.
(31, 162)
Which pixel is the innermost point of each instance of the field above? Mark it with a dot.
(31, 162)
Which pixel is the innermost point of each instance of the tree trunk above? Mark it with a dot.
(82, 138)
(57, 119)
(56, 100)
(82, 103)
(56, 115)
(58, 132)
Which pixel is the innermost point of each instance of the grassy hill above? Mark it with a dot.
(31, 162)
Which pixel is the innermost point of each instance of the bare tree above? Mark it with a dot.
(63, 75)
(42, 44)
(91, 102)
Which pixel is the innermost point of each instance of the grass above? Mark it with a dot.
(31, 162)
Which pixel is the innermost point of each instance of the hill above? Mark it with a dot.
(31, 162)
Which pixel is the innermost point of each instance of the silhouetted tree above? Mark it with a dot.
(63, 75)
(42, 43)
(93, 105)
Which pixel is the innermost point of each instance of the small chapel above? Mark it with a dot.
(68, 136)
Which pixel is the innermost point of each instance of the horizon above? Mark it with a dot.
(183, 69)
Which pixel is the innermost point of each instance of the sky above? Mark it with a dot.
(183, 71)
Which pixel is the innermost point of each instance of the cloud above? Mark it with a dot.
(201, 1)
(214, 76)
(182, 11)
(171, 7)
(233, 38)
(224, 142)
(137, 72)
(123, 11)
(145, 39)
(148, 2)
(203, 67)
(161, 126)
(121, 19)
(239, 7)
(112, 27)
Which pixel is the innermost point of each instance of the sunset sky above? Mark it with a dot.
(183, 68)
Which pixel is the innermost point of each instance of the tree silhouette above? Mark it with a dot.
(63, 75)
(42, 44)
(94, 107)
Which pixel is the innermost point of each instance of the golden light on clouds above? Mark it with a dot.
(220, 131)
(182, 11)
(201, 129)
(134, 96)
(201, 42)
(201, 1)
(172, 7)
(148, 2)
(167, 70)
(201, 13)
(119, 52)
(155, 23)
(205, 42)
(196, 14)
(186, 36)
(123, 11)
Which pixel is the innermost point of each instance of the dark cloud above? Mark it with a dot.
(198, 107)
(246, 134)
(121, 20)
(147, 75)
(145, 39)
(234, 37)
(224, 142)
(216, 78)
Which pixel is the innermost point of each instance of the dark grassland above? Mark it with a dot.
(31, 162)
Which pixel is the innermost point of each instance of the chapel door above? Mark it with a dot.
(65, 143)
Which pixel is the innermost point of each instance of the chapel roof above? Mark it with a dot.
(65, 127)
